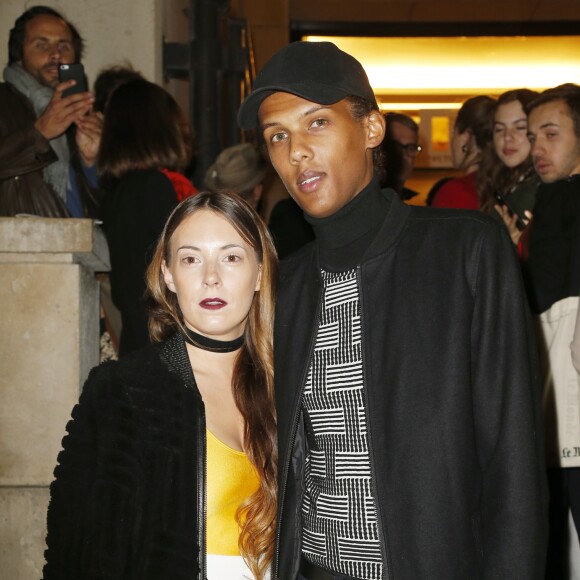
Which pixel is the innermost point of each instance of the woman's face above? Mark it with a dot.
(214, 273)
(510, 140)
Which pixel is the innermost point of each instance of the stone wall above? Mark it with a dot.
(49, 341)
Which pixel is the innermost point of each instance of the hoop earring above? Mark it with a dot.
(464, 148)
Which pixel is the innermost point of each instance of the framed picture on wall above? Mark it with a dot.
(435, 129)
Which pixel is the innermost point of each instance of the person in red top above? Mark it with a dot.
(471, 132)
(145, 146)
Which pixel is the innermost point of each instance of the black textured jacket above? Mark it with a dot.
(452, 398)
(128, 502)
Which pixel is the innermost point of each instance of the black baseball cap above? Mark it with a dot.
(316, 71)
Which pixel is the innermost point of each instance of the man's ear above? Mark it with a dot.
(376, 128)
(167, 276)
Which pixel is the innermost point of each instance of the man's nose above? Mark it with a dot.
(299, 150)
(55, 54)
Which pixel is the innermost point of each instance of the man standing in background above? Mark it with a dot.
(553, 269)
(401, 146)
(45, 169)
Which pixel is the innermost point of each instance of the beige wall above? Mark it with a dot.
(175, 28)
(114, 31)
(49, 340)
(269, 25)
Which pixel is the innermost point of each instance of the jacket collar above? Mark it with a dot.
(388, 234)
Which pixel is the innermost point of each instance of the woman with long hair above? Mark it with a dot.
(471, 133)
(169, 464)
(145, 145)
(506, 167)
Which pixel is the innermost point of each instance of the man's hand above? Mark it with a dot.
(88, 137)
(510, 222)
(63, 111)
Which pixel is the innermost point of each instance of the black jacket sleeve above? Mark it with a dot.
(507, 416)
(77, 537)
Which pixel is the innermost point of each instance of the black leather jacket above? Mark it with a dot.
(452, 398)
(128, 501)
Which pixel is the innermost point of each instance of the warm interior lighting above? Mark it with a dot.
(429, 78)
(463, 66)
(493, 78)
(414, 106)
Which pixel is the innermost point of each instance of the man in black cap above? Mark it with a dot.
(406, 386)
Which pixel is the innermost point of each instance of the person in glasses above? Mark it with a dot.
(401, 147)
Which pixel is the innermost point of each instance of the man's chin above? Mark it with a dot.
(47, 80)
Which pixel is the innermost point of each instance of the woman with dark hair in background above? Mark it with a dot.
(144, 145)
(506, 166)
(169, 466)
(471, 133)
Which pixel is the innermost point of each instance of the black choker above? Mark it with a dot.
(212, 344)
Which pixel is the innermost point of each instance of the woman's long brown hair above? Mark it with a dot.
(493, 174)
(144, 128)
(253, 376)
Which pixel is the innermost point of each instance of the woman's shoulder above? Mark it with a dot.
(139, 179)
(143, 369)
(146, 191)
(138, 396)
(459, 193)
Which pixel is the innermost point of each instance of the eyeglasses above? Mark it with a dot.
(411, 148)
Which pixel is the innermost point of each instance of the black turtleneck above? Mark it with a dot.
(344, 236)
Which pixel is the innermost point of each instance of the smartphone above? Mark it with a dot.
(76, 72)
(502, 200)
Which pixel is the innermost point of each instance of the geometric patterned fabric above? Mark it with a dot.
(339, 518)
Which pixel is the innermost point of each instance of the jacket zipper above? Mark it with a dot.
(202, 480)
(282, 494)
(382, 532)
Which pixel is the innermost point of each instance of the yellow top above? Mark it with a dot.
(231, 478)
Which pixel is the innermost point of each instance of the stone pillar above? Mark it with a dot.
(49, 341)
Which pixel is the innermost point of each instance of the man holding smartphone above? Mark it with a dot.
(40, 173)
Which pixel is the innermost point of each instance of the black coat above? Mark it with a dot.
(552, 266)
(128, 499)
(134, 212)
(452, 398)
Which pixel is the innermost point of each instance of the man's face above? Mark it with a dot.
(404, 135)
(555, 146)
(321, 152)
(47, 43)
